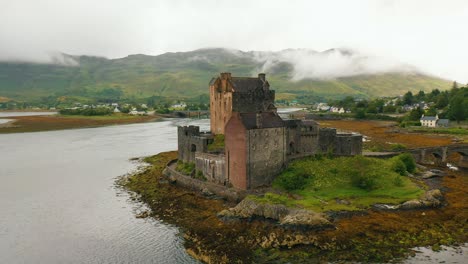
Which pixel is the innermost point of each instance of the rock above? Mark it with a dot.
(143, 214)
(437, 172)
(207, 192)
(300, 217)
(432, 198)
(412, 204)
(342, 201)
(432, 173)
(249, 208)
(384, 207)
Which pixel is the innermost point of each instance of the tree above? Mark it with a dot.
(408, 98)
(432, 111)
(421, 96)
(415, 114)
(458, 107)
(442, 100)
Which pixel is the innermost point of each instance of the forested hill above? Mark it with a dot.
(186, 74)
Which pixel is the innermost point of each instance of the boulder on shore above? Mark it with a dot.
(249, 209)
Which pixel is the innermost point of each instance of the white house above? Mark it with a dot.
(433, 121)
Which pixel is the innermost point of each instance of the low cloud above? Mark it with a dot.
(330, 64)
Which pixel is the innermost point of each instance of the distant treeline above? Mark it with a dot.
(87, 111)
(451, 104)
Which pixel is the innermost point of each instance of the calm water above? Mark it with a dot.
(58, 203)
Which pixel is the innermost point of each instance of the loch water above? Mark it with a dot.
(59, 203)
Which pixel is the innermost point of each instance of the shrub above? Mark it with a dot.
(185, 168)
(398, 181)
(399, 167)
(397, 147)
(199, 175)
(409, 162)
(367, 181)
(291, 180)
(363, 175)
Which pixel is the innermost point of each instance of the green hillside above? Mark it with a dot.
(185, 75)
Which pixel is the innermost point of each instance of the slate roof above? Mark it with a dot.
(309, 123)
(269, 120)
(428, 118)
(443, 122)
(246, 84)
(213, 80)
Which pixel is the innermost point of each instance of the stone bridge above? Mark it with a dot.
(439, 154)
(198, 114)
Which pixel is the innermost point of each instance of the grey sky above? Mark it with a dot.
(431, 35)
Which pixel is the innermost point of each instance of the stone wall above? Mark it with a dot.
(190, 140)
(212, 166)
(327, 140)
(266, 155)
(348, 145)
(258, 101)
(236, 152)
(202, 186)
(220, 106)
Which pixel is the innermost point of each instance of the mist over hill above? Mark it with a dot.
(334, 73)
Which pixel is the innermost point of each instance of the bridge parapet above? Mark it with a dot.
(439, 154)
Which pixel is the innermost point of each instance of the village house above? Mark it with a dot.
(433, 121)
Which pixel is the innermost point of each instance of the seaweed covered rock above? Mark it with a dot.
(250, 209)
(432, 198)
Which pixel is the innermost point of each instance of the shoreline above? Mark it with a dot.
(379, 236)
(38, 123)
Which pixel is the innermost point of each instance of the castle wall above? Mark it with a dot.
(212, 166)
(220, 105)
(190, 141)
(326, 140)
(236, 153)
(309, 143)
(348, 144)
(253, 102)
(266, 155)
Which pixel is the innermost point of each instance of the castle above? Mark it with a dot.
(258, 143)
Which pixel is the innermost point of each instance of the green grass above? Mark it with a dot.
(331, 180)
(217, 144)
(185, 167)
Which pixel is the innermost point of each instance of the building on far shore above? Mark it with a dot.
(258, 143)
(433, 121)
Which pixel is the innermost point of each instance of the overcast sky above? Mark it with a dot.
(432, 35)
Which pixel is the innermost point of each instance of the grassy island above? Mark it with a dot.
(344, 183)
(372, 236)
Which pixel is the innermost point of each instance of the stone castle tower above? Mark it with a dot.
(238, 94)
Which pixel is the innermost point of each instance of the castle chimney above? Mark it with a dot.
(261, 76)
(259, 120)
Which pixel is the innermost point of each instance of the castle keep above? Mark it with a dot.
(258, 143)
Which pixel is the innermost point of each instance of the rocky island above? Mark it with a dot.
(258, 188)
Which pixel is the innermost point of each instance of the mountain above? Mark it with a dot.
(334, 73)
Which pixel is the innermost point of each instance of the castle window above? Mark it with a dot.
(193, 148)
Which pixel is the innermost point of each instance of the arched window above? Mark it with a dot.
(193, 148)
